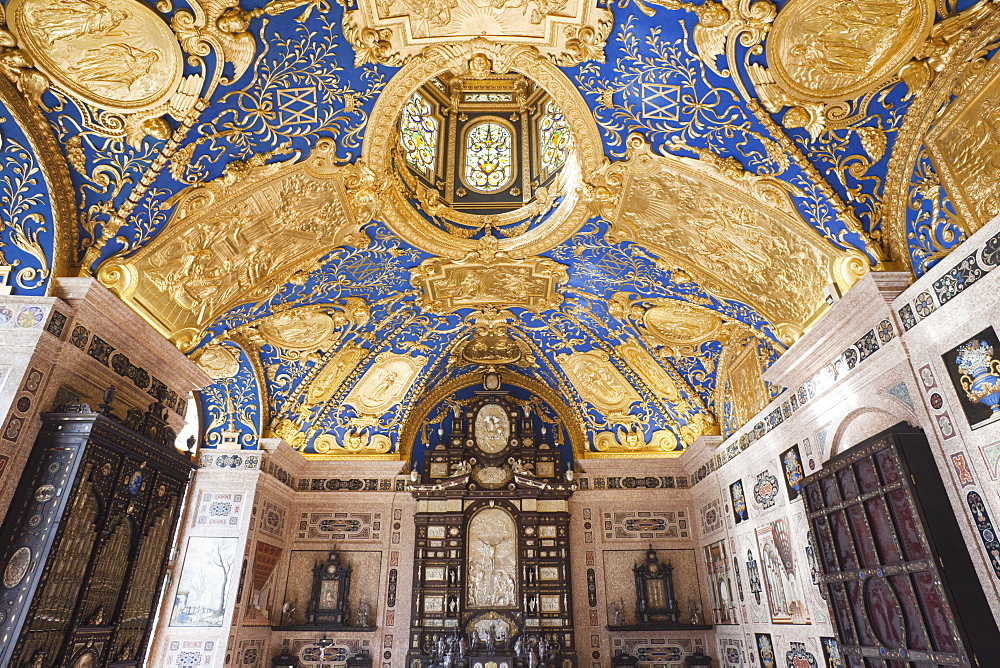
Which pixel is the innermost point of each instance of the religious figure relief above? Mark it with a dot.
(114, 54)
(822, 51)
(385, 383)
(219, 361)
(333, 374)
(239, 237)
(492, 560)
(599, 382)
(75, 18)
(305, 328)
(965, 146)
(529, 283)
(492, 428)
(735, 233)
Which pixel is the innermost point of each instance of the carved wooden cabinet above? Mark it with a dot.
(897, 575)
(86, 540)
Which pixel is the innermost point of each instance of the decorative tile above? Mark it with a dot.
(962, 469)
(100, 350)
(907, 318)
(57, 323)
(901, 393)
(798, 657)
(646, 525)
(740, 512)
(791, 464)
(765, 490)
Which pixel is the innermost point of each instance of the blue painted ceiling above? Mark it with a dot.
(665, 75)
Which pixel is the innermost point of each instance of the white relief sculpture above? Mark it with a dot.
(492, 559)
(492, 428)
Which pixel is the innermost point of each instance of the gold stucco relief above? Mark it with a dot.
(240, 237)
(391, 31)
(737, 234)
(385, 383)
(598, 382)
(114, 54)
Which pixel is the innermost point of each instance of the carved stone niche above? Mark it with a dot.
(328, 602)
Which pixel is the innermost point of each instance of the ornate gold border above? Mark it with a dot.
(381, 135)
(54, 168)
(572, 422)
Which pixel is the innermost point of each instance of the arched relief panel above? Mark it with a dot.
(941, 183)
(38, 220)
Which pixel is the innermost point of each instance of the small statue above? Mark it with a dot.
(533, 657)
(461, 468)
(695, 607)
(519, 649)
(287, 610)
(491, 640)
(519, 468)
(618, 612)
(364, 610)
(452, 575)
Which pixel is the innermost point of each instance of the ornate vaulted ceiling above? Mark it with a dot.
(236, 179)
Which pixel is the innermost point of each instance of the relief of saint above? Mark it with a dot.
(120, 64)
(75, 18)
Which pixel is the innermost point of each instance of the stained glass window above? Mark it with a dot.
(418, 132)
(554, 133)
(488, 157)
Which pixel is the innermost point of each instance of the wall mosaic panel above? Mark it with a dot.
(272, 519)
(974, 368)
(191, 653)
(712, 518)
(217, 509)
(646, 525)
(340, 526)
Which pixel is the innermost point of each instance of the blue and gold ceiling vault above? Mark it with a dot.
(233, 176)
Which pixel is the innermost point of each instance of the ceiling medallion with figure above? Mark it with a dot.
(114, 54)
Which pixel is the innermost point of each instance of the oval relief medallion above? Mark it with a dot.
(17, 567)
(680, 324)
(114, 54)
(827, 51)
(492, 428)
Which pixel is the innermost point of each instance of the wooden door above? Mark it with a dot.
(893, 559)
